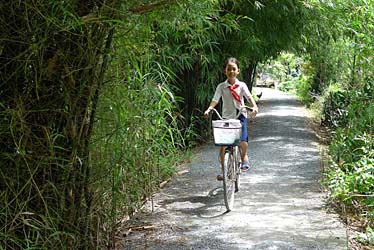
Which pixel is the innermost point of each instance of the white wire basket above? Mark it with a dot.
(227, 132)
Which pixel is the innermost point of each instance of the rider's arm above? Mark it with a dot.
(253, 103)
(250, 99)
(211, 106)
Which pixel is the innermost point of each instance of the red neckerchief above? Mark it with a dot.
(233, 92)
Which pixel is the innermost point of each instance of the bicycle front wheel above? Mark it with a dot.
(229, 178)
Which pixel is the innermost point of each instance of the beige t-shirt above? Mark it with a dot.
(230, 106)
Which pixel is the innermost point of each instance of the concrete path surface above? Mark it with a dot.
(280, 205)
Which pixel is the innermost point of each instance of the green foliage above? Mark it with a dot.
(266, 28)
(339, 44)
(292, 73)
(139, 132)
(334, 107)
(136, 141)
(354, 141)
(351, 175)
(52, 63)
(288, 86)
(366, 238)
(190, 45)
(350, 180)
(285, 66)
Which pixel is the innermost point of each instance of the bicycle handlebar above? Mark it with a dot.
(246, 108)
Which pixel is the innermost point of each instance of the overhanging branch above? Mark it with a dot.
(153, 6)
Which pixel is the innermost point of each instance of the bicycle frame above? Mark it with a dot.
(231, 170)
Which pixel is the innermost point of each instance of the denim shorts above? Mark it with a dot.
(243, 121)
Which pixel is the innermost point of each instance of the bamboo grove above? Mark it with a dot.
(100, 99)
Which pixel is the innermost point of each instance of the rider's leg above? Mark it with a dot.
(244, 143)
(222, 159)
(222, 155)
(243, 148)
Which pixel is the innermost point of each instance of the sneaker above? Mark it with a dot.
(219, 177)
(244, 167)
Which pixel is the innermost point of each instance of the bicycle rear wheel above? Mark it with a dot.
(238, 162)
(229, 177)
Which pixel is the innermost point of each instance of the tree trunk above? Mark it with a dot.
(249, 74)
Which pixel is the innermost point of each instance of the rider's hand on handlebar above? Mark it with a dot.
(207, 112)
(254, 111)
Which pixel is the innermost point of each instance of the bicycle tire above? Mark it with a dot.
(238, 162)
(229, 177)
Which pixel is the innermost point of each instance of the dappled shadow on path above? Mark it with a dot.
(181, 243)
(208, 206)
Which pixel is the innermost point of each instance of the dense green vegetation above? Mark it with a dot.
(99, 98)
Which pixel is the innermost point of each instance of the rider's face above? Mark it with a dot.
(232, 70)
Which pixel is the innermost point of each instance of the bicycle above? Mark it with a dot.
(227, 133)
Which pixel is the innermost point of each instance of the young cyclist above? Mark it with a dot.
(232, 92)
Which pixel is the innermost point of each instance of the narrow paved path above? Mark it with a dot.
(280, 205)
